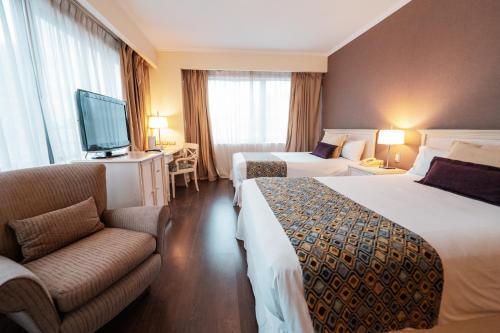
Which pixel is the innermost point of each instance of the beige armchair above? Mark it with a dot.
(80, 287)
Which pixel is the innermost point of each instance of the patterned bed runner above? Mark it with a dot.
(264, 165)
(361, 272)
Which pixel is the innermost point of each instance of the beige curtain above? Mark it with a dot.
(135, 71)
(304, 115)
(196, 125)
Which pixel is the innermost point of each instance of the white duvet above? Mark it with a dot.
(465, 233)
(299, 164)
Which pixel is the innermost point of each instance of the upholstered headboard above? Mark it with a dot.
(369, 135)
(442, 139)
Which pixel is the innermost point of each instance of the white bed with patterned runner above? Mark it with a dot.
(304, 164)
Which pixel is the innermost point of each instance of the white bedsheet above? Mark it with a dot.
(299, 164)
(465, 233)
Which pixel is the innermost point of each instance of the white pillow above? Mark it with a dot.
(424, 158)
(475, 153)
(353, 150)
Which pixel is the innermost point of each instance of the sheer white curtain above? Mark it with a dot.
(71, 52)
(248, 112)
(22, 136)
(49, 49)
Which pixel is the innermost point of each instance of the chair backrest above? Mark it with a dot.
(31, 192)
(191, 150)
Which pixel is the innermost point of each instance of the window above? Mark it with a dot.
(47, 51)
(248, 107)
(22, 135)
(248, 111)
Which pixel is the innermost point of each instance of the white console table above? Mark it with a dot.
(137, 179)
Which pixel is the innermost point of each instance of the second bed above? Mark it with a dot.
(303, 164)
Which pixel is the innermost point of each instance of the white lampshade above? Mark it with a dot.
(391, 137)
(158, 122)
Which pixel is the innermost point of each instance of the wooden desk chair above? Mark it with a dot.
(185, 164)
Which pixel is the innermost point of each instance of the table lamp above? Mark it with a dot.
(158, 122)
(390, 137)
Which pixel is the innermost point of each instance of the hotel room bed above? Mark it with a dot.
(298, 164)
(304, 164)
(464, 233)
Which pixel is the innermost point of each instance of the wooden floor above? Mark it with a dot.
(203, 285)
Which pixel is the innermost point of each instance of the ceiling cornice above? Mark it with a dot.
(244, 51)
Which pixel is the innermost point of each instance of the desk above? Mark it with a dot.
(169, 157)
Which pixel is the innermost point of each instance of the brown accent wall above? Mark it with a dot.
(432, 64)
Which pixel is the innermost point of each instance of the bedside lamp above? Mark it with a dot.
(390, 137)
(158, 122)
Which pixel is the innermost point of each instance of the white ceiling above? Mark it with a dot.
(299, 26)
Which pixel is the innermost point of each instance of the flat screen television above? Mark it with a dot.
(103, 122)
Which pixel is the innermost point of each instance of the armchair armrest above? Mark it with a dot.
(149, 219)
(25, 299)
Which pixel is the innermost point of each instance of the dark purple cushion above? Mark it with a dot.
(324, 150)
(475, 181)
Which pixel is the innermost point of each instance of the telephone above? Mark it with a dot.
(371, 162)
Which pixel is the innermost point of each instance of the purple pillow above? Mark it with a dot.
(324, 150)
(475, 181)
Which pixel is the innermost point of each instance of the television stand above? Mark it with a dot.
(138, 179)
(109, 154)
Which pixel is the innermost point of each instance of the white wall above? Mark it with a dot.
(116, 20)
(166, 89)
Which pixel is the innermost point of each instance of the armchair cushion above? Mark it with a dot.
(81, 271)
(43, 234)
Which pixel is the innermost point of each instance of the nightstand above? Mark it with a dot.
(359, 170)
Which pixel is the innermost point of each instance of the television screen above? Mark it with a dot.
(103, 122)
